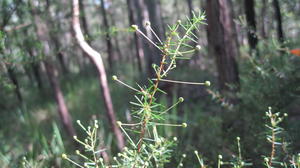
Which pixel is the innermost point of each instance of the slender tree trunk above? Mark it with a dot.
(84, 21)
(249, 6)
(43, 36)
(58, 53)
(156, 17)
(278, 18)
(191, 9)
(14, 80)
(62, 107)
(97, 60)
(110, 52)
(263, 15)
(137, 41)
(119, 55)
(34, 65)
(190, 6)
(222, 42)
(37, 76)
(152, 54)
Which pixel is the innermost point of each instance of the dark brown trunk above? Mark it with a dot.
(35, 67)
(156, 17)
(58, 53)
(84, 21)
(191, 9)
(190, 6)
(14, 80)
(222, 42)
(137, 41)
(110, 52)
(152, 54)
(250, 17)
(119, 55)
(97, 60)
(263, 22)
(278, 19)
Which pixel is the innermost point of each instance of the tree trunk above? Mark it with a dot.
(156, 17)
(191, 9)
(249, 6)
(84, 21)
(119, 55)
(43, 36)
(110, 52)
(14, 80)
(62, 107)
(152, 54)
(97, 60)
(222, 42)
(263, 15)
(278, 20)
(137, 41)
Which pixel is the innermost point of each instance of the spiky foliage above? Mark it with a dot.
(147, 148)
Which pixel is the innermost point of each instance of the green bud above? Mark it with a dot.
(181, 99)
(119, 123)
(134, 27)
(207, 83)
(114, 77)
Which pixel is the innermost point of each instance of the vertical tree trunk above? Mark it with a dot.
(263, 15)
(191, 9)
(110, 52)
(156, 17)
(190, 6)
(97, 60)
(58, 53)
(278, 18)
(222, 42)
(119, 55)
(152, 54)
(249, 6)
(62, 107)
(35, 65)
(43, 36)
(137, 41)
(83, 20)
(14, 80)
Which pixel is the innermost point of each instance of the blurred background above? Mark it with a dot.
(248, 53)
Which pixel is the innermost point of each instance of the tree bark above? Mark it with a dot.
(43, 36)
(14, 80)
(60, 100)
(152, 54)
(84, 21)
(137, 41)
(263, 15)
(249, 6)
(278, 18)
(222, 42)
(97, 60)
(109, 46)
(156, 17)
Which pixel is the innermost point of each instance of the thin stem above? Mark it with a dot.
(273, 148)
(153, 32)
(181, 82)
(154, 91)
(130, 87)
(146, 37)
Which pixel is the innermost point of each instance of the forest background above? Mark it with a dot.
(245, 54)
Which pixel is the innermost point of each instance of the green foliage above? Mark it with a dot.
(147, 148)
